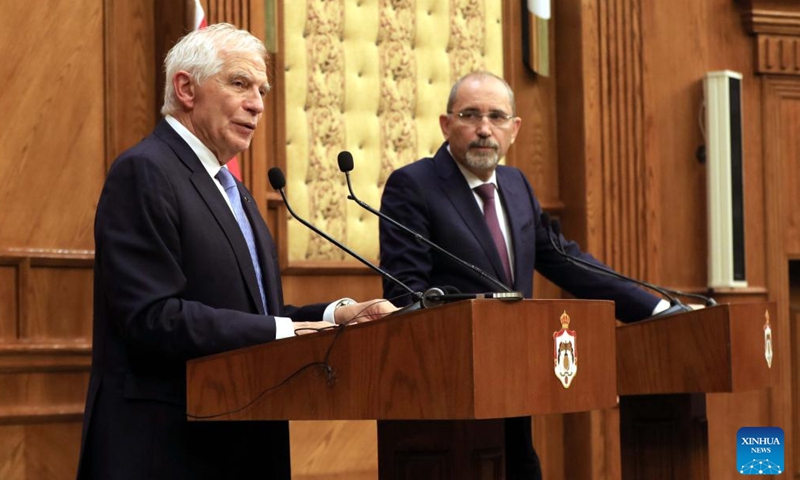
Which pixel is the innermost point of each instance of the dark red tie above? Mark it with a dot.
(486, 192)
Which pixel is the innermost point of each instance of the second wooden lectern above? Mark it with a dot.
(439, 381)
(666, 367)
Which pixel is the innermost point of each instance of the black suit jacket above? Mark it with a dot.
(174, 281)
(432, 198)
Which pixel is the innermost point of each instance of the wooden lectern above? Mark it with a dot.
(439, 381)
(665, 368)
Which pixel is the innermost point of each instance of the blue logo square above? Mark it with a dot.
(759, 451)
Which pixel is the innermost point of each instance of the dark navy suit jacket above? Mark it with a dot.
(432, 198)
(174, 281)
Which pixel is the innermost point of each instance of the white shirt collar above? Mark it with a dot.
(207, 158)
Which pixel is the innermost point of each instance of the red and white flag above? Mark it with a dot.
(199, 22)
(199, 16)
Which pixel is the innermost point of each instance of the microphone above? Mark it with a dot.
(345, 160)
(429, 299)
(676, 306)
(708, 301)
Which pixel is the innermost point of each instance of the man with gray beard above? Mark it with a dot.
(488, 215)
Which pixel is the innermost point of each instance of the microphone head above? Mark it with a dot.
(345, 160)
(276, 178)
(545, 219)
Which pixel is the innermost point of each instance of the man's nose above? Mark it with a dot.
(484, 128)
(254, 102)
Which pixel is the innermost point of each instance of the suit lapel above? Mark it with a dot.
(456, 189)
(219, 209)
(514, 202)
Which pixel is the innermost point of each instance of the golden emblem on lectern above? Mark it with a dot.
(565, 354)
(767, 340)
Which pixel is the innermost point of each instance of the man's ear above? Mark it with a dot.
(515, 128)
(444, 124)
(185, 89)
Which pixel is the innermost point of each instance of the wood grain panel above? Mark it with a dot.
(711, 30)
(534, 151)
(51, 450)
(131, 72)
(60, 300)
(9, 307)
(653, 426)
(39, 451)
(789, 146)
(53, 122)
(334, 448)
(727, 413)
(25, 397)
(780, 113)
(12, 452)
(621, 95)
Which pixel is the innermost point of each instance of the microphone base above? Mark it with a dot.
(433, 297)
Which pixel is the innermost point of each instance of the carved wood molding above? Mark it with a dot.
(20, 358)
(776, 25)
(779, 54)
(44, 257)
(624, 192)
(15, 415)
(771, 16)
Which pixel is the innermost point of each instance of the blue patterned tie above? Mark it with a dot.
(229, 184)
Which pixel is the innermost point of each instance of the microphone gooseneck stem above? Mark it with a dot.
(422, 239)
(344, 248)
(552, 229)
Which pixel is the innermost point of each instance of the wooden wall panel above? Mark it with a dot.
(78, 89)
(535, 151)
(131, 69)
(334, 450)
(624, 211)
(53, 122)
(12, 452)
(60, 299)
(39, 451)
(710, 37)
(781, 107)
(29, 395)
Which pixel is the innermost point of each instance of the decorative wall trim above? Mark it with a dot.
(779, 54)
(784, 20)
(42, 257)
(623, 163)
(776, 25)
(18, 415)
(29, 358)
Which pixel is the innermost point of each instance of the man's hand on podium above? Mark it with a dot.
(363, 311)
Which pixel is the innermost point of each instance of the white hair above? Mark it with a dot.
(200, 53)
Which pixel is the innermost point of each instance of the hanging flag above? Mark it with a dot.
(199, 16)
(540, 8)
(199, 21)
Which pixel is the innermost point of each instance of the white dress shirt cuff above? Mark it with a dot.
(661, 306)
(284, 328)
(328, 315)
